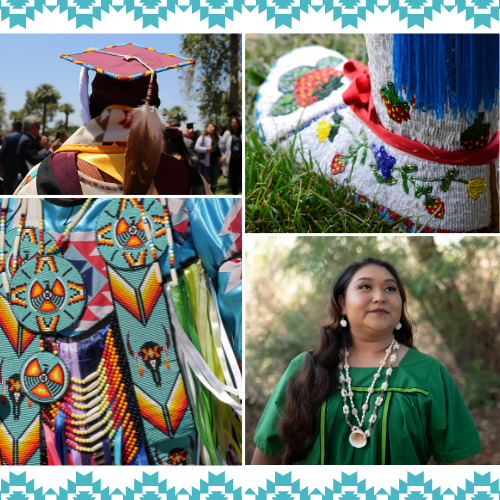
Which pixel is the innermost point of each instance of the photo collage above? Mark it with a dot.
(246, 248)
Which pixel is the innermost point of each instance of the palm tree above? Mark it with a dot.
(46, 94)
(176, 112)
(67, 109)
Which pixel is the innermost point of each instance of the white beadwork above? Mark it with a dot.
(272, 127)
(355, 440)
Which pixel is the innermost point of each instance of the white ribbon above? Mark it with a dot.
(84, 94)
(197, 364)
(226, 344)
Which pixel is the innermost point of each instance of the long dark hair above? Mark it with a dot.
(215, 136)
(318, 377)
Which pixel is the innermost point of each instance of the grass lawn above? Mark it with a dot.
(223, 187)
(283, 193)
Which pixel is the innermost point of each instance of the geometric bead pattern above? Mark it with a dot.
(263, 484)
(288, 13)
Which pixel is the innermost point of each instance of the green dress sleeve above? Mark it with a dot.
(450, 430)
(266, 435)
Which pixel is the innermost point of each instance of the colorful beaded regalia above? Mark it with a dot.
(415, 134)
(113, 344)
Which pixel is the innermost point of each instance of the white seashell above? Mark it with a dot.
(345, 409)
(358, 439)
(367, 433)
(370, 390)
(396, 346)
(393, 358)
(348, 379)
(379, 401)
(382, 363)
(347, 353)
(350, 394)
(373, 419)
(341, 379)
(377, 375)
(341, 366)
(344, 393)
(384, 386)
(389, 371)
(354, 411)
(366, 407)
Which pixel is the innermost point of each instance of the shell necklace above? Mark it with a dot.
(358, 438)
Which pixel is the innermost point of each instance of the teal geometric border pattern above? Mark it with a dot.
(283, 12)
(158, 486)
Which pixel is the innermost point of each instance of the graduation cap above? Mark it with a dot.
(189, 126)
(126, 73)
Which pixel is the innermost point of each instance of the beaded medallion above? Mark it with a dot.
(48, 294)
(29, 248)
(44, 378)
(121, 235)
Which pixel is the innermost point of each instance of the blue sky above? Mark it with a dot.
(30, 60)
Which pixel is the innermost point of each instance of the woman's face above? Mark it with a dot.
(372, 302)
(234, 125)
(211, 128)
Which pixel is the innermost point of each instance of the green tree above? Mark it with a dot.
(16, 115)
(214, 81)
(2, 110)
(67, 109)
(46, 95)
(177, 112)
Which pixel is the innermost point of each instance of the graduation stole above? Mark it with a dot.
(105, 134)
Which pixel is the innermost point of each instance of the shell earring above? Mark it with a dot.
(343, 322)
(398, 326)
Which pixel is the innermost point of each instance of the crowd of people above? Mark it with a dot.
(24, 148)
(208, 152)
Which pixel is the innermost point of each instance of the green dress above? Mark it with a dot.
(423, 415)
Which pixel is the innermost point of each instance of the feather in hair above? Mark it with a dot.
(142, 155)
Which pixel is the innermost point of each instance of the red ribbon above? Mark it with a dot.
(359, 98)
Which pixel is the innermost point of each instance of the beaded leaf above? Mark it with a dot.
(285, 105)
(287, 81)
(477, 135)
(329, 62)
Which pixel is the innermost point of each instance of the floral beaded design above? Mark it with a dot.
(385, 167)
(398, 110)
(329, 129)
(305, 85)
(422, 185)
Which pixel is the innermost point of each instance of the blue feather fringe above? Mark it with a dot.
(448, 73)
(60, 438)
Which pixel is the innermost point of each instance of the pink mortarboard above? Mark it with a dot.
(112, 62)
